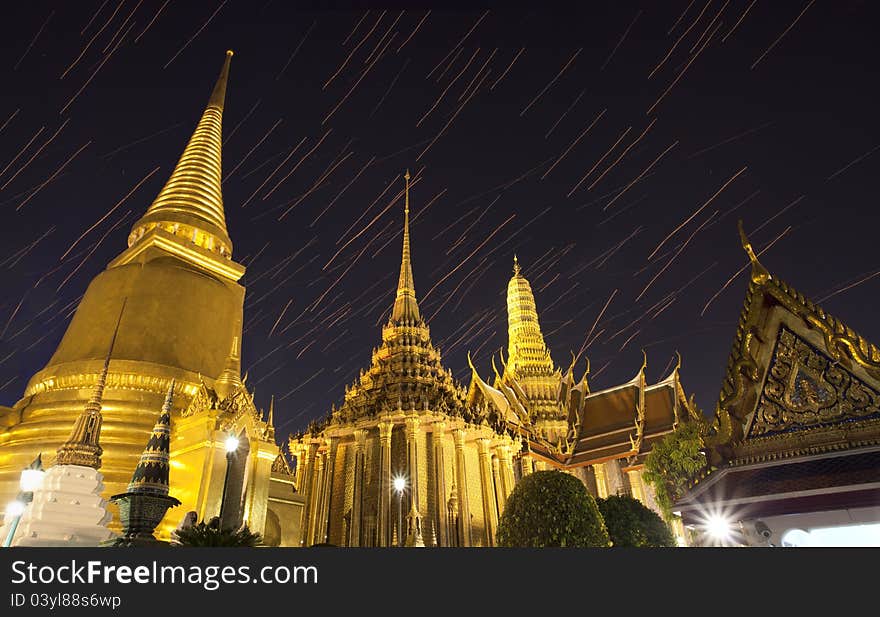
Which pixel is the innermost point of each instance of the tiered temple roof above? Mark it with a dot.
(619, 422)
(405, 371)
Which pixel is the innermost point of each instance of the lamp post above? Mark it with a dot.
(31, 480)
(399, 486)
(231, 445)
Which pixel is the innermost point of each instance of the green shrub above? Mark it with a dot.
(551, 508)
(630, 523)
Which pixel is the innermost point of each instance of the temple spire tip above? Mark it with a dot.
(218, 96)
(759, 273)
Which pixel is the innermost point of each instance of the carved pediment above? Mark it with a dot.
(804, 388)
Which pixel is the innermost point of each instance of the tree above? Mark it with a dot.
(630, 523)
(551, 508)
(673, 463)
(211, 534)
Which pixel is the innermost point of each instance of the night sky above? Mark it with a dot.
(500, 115)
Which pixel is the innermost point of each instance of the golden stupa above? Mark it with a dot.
(182, 323)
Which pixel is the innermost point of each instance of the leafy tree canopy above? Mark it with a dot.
(631, 523)
(673, 463)
(551, 508)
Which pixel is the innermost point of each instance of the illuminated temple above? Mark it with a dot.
(182, 322)
(411, 457)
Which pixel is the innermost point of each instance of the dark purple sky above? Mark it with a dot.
(793, 119)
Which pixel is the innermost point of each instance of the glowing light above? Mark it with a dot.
(15, 508)
(231, 443)
(31, 480)
(399, 483)
(718, 527)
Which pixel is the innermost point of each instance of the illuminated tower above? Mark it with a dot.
(378, 470)
(183, 316)
(529, 367)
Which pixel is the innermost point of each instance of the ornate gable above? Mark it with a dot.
(805, 387)
(798, 380)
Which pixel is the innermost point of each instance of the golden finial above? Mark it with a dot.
(405, 304)
(406, 190)
(271, 420)
(759, 272)
(516, 268)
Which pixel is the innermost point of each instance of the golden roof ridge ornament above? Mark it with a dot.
(83, 447)
(759, 272)
(192, 197)
(405, 303)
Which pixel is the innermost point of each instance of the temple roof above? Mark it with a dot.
(795, 375)
(405, 371)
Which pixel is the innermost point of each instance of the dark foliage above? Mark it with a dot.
(630, 523)
(211, 534)
(551, 508)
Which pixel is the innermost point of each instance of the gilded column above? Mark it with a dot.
(412, 458)
(385, 427)
(327, 492)
(601, 480)
(308, 490)
(635, 484)
(525, 462)
(497, 483)
(317, 485)
(360, 438)
(464, 513)
(507, 478)
(490, 514)
(439, 436)
(298, 451)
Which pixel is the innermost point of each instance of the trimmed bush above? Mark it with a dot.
(631, 523)
(551, 508)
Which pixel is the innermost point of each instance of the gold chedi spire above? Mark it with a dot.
(83, 447)
(191, 203)
(526, 351)
(230, 378)
(405, 304)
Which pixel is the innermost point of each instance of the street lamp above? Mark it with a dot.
(31, 480)
(399, 484)
(231, 446)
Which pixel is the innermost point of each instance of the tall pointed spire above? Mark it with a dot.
(150, 477)
(405, 304)
(191, 203)
(83, 447)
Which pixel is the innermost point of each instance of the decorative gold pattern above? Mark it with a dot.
(805, 388)
(809, 396)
